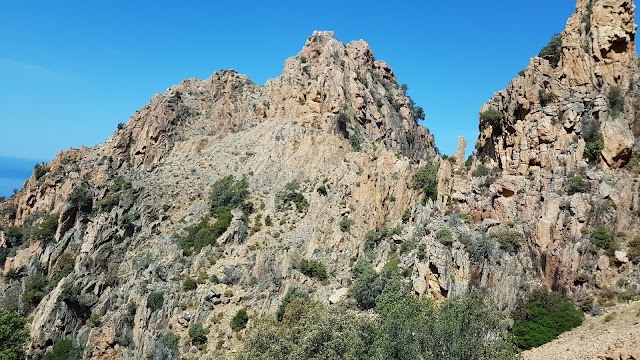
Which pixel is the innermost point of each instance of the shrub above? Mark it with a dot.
(368, 284)
(406, 215)
(593, 140)
(492, 117)
(553, 51)
(204, 234)
(373, 238)
(509, 240)
(94, 320)
(189, 283)
(36, 288)
(80, 199)
(312, 268)
(426, 180)
(155, 300)
(239, 320)
(268, 221)
(615, 98)
(290, 195)
(322, 190)
(227, 193)
(197, 334)
(14, 335)
(577, 184)
(444, 236)
(481, 170)
(546, 97)
(346, 224)
(542, 317)
(64, 350)
(14, 235)
(46, 231)
(291, 295)
(108, 203)
(40, 170)
(166, 347)
(64, 266)
(602, 237)
(4, 253)
(356, 142)
(634, 250)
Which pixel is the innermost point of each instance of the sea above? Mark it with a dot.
(13, 173)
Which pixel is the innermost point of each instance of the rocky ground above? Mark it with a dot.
(615, 335)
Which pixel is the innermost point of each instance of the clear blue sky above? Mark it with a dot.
(72, 70)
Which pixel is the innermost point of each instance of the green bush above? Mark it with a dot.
(546, 97)
(481, 170)
(426, 180)
(189, 284)
(368, 285)
(108, 203)
(406, 215)
(356, 142)
(492, 117)
(35, 289)
(155, 300)
(46, 231)
(577, 184)
(197, 334)
(14, 335)
(312, 268)
(444, 236)
(615, 97)
(227, 193)
(239, 320)
(94, 320)
(509, 240)
(406, 328)
(553, 51)
(373, 237)
(593, 140)
(542, 317)
(14, 234)
(602, 237)
(166, 347)
(634, 250)
(290, 195)
(40, 170)
(290, 296)
(204, 234)
(80, 199)
(120, 184)
(64, 266)
(346, 224)
(322, 190)
(64, 350)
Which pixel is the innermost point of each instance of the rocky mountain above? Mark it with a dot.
(113, 246)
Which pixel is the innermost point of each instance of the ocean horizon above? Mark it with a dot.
(13, 173)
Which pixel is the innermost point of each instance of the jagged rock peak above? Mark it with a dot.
(538, 120)
(598, 41)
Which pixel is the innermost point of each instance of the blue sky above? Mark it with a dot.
(72, 70)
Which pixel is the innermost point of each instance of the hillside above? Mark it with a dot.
(222, 195)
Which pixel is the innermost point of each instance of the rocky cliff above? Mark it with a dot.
(333, 156)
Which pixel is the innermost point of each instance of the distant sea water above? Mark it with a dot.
(13, 173)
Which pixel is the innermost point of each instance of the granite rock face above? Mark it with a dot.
(338, 129)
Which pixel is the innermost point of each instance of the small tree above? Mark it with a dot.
(155, 300)
(239, 321)
(553, 51)
(426, 180)
(492, 117)
(14, 335)
(197, 334)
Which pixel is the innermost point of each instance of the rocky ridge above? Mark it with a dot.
(337, 128)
